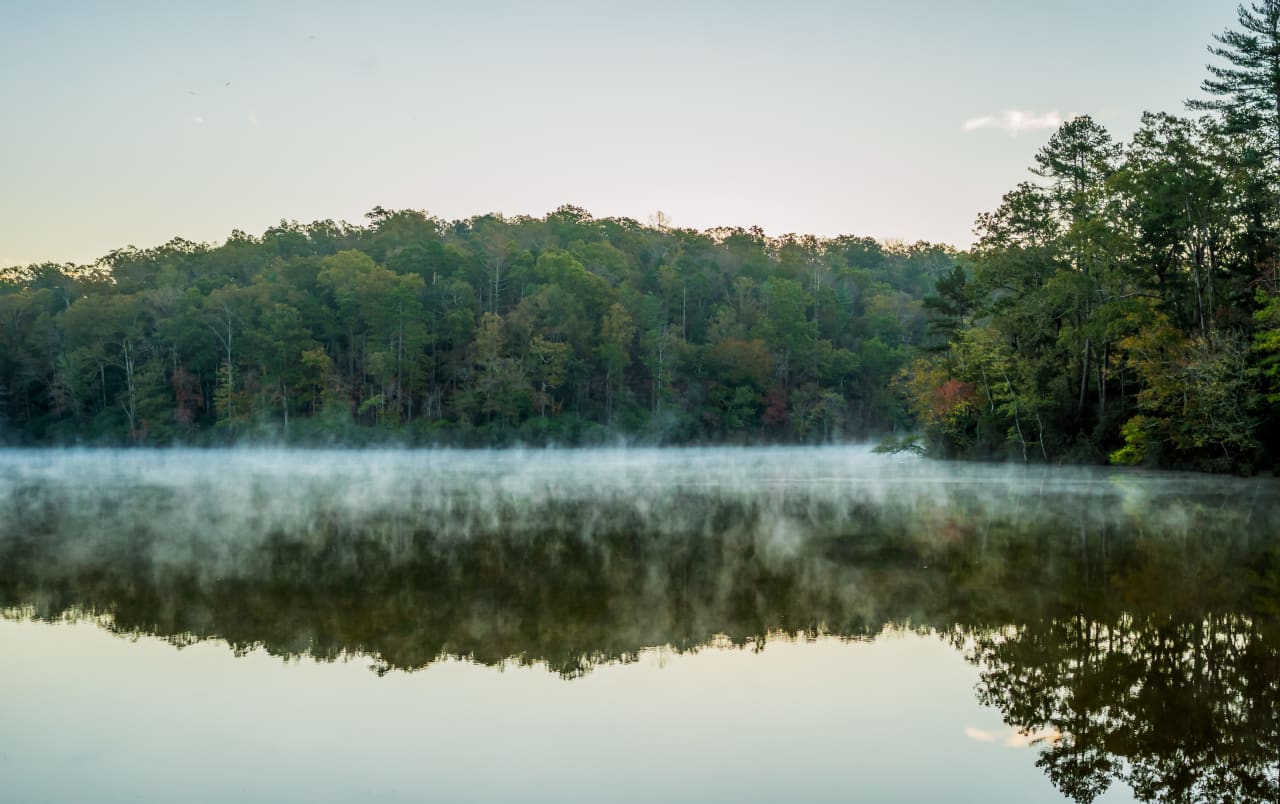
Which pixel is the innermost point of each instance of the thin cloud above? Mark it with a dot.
(1020, 738)
(197, 119)
(1012, 737)
(1015, 121)
(253, 118)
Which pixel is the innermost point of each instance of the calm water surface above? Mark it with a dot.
(648, 625)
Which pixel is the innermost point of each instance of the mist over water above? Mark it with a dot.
(1102, 609)
(230, 500)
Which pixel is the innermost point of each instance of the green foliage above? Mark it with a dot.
(224, 397)
(1123, 305)
(894, 445)
(1195, 397)
(1139, 437)
(564, 329)
(1266, 344)
(1247, 91)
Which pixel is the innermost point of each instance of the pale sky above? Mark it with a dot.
(131, 123)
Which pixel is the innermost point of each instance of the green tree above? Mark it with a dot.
(617, 331)
(1177, 203)
(1247, 90)
(1195, 398)
(1266, 344)
(109, 332)
(502, 388)
(549, 369)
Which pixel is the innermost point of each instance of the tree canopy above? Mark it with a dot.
(563, 329)
(1120, 305)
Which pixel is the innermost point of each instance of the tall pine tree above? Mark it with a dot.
(1247, 91)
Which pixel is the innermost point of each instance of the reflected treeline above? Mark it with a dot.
(1137, 623)
(1162, 670)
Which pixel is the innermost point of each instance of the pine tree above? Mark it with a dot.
(1247, 91)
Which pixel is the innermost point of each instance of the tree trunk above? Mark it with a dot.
(1084, 375)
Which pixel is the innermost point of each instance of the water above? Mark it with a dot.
(729, 624)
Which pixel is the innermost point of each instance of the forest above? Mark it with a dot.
(556, 330)
(1122, 305)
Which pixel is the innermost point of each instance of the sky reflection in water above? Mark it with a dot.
(1119, 627)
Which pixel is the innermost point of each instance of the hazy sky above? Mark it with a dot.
(131, 122)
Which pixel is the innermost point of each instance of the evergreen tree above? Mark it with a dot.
(1248, 89)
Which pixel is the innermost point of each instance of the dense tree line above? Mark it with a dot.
(562, 329)
(1125, 304)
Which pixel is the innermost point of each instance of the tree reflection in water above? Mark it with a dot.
(1133, 628)
(1164, 672)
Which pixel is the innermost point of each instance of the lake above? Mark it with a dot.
(819, 624)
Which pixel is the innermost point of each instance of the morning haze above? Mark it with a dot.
(407, 402)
